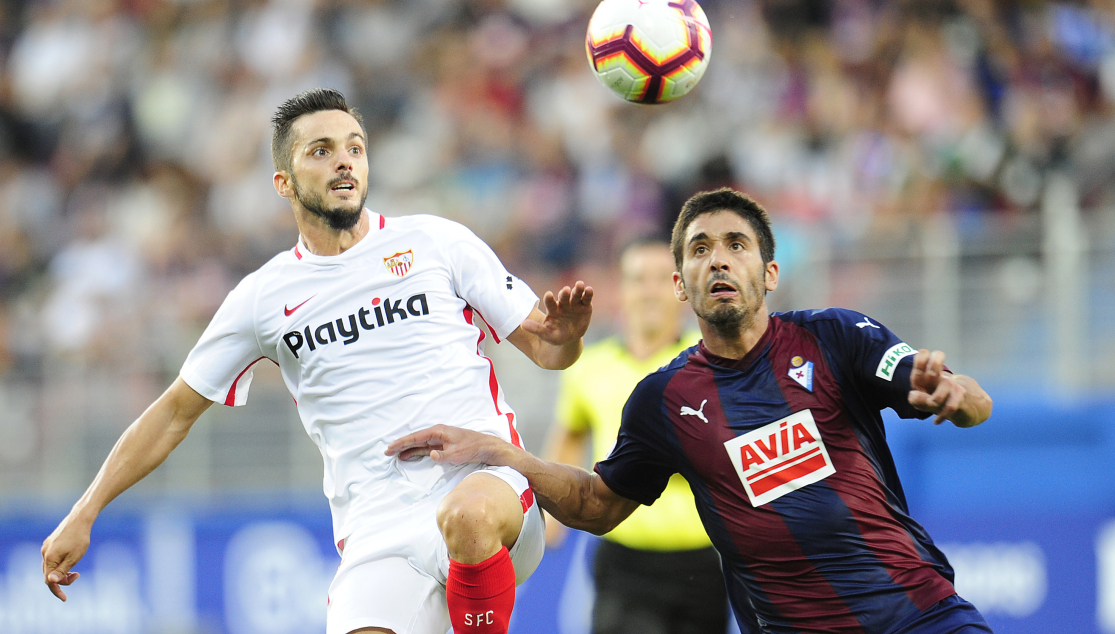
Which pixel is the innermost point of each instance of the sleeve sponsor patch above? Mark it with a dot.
(890, 360)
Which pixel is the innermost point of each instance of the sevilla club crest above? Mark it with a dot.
(400, 263)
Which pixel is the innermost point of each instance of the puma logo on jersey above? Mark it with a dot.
(699, 413)
(780, 458)
(866, 322)
(349, 329)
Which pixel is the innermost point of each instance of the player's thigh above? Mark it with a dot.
(388, 594)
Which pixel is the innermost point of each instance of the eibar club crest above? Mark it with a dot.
(400, 263)
(802, 372)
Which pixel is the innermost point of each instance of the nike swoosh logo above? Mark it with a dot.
(290, 311)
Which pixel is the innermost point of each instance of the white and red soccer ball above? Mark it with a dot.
(649, 51)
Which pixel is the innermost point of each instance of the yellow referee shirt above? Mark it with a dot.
(591, 398)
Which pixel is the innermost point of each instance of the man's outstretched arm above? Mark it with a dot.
(553, 339)
(142, 447)
(952, 397)
(574, 497)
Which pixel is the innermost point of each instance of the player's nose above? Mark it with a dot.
(344, 162)
(719, 260)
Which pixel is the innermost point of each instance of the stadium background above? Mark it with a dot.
(946, 167)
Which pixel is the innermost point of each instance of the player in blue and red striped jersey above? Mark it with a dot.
(774, 419)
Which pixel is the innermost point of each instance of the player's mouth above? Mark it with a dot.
(342, 186)
(721, 289)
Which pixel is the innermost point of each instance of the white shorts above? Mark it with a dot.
(395, 578)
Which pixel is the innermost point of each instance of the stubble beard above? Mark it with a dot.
(729, 321)
(338, 218)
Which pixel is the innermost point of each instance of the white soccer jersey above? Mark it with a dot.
(375, 343)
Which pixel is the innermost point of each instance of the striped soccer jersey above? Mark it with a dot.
(786, 454)
(375, 343)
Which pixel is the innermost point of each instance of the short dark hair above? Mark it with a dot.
(724, 199)
(308, 102)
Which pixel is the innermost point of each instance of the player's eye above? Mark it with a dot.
(320, 151)
(357, 150)
(737, 246)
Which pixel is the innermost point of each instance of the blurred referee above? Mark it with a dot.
(657, 572)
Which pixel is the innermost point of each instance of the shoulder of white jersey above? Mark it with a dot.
(436, 226)
(290, 256)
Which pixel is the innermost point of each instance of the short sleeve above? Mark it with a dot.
(880, 362)
(480, 279)
(639, 466)
(220, 365)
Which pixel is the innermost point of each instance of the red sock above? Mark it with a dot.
(481, 596)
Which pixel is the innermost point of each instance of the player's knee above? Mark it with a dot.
(469, 515)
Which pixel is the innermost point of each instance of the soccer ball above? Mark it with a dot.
(649, 51)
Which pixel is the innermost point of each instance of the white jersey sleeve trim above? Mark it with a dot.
(200, 386)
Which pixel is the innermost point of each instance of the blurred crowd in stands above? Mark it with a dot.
(135, 174)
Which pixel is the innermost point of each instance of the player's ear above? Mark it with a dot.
(679, 287)
(284, 184)
(771, 275)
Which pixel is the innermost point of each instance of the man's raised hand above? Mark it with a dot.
(567, 315)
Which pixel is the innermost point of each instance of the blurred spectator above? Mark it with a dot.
(135, 171)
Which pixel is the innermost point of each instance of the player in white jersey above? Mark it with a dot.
(374, 324)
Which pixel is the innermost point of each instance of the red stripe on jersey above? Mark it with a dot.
(382, 222)
(490, 329)
(782, 465)
(527, 499)
(297, 253)
(230, 400)
(468, 318)
(856, 481)
(493, 383)
(775, 480)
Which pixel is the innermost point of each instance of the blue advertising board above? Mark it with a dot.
(1023, 507)
(233, 571)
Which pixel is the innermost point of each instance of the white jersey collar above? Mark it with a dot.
(376, 223)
